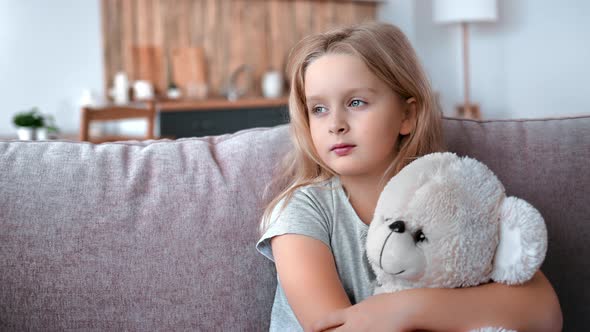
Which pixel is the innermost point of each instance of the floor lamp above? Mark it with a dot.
(465, 12)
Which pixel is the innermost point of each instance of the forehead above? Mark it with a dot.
(339, 72)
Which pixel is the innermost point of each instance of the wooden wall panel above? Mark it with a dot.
(259, 33)
(127, 33)
(255, 23)
(303, 19)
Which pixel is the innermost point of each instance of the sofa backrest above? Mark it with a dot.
(160, 235)
(547, 163)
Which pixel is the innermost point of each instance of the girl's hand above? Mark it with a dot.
(376, 313)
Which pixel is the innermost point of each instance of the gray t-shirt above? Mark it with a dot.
(323, 212)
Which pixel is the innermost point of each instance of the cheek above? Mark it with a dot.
(316, 135)
(381, 136)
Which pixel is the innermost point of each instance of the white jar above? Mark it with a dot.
(121, 89)
(143, 90)
(87, 99)
(272, 84)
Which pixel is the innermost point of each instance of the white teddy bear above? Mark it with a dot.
(444, 221)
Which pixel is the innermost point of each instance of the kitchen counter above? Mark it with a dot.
(169, 105)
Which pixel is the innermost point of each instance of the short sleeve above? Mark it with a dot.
(303, 215)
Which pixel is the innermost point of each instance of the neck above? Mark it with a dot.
(363, 193)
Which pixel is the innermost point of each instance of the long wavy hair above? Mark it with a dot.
(388, 54)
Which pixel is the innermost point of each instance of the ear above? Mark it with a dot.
(523, 242)
(409, 119)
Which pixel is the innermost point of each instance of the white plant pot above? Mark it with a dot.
(41, 134)
(174, 93)
(25, 133)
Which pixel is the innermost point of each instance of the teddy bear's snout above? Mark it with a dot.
(398, 226)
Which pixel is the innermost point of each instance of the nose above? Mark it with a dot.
(339, 125)
(398, 226)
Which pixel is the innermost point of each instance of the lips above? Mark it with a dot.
(342, 149)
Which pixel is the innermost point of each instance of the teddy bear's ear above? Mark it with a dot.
(523, 242)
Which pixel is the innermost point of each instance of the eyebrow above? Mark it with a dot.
(347, 92)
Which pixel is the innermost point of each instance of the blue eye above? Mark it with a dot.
(318, 110)
(357, 103)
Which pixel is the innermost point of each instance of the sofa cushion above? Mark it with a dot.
(136, 236)
(160, 235)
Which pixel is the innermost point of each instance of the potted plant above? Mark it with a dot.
(33, 125)
(173, 91)
(49, 129)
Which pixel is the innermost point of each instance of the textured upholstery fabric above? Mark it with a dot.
(139, 236)
(160, 235)
(545, 162)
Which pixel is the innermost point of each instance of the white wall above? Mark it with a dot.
(49, 52)
(533, 62)
(402, 14)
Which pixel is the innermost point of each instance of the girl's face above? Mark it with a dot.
(355, 118)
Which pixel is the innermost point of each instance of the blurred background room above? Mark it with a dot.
(207, 67)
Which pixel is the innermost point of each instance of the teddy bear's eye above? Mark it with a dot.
(419, 236)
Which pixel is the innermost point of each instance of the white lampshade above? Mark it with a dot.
(456, 11)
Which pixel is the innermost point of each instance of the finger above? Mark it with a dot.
(332, 320)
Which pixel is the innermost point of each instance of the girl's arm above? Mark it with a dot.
(530, 307)
(308, 275)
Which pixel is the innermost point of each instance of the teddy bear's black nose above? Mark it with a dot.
(398, 226)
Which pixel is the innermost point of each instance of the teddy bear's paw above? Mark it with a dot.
(492, 329)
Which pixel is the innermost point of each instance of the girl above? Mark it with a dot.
(361, 109)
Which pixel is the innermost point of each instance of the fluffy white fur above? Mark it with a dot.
(473, 232)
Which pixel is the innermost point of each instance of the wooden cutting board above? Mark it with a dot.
(148, 64)
(189, 70)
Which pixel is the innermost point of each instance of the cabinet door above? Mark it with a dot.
(267, 117)
(216, 122)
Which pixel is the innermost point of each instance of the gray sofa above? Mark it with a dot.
(160, 235)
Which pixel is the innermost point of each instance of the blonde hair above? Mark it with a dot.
(388, 54)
